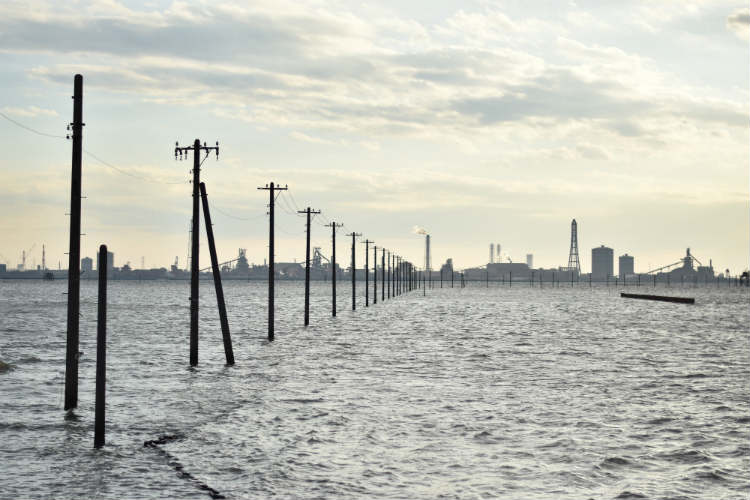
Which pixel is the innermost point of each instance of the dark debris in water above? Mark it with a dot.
(177, 466)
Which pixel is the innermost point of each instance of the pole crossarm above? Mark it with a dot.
(196, 147)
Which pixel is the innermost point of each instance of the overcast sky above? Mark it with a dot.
(481, 121)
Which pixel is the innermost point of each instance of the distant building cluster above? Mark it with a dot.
(499, 267)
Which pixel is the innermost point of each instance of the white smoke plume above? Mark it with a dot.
(419, 230)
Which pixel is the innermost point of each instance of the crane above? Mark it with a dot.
(686, 261)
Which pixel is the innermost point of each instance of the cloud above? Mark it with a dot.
(738, 22)
(302, 66)
(299, 136)
(29, 111)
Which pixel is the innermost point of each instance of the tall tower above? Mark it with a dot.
(492, 253)
(574, 264)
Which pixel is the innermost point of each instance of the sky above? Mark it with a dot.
(481, 121)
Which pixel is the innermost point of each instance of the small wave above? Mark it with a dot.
(303, 400)
(615, 462)
(712, 476)
(686, 457)
(660, 421)
(630, 494)
(29, 360)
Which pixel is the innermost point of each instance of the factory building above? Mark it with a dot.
(625, 265)
(87, 265)
(602, 263)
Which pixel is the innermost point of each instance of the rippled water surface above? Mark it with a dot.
(519, 393)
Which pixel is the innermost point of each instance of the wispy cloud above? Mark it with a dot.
(28, 111)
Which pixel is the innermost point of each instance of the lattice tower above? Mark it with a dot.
(574, 262)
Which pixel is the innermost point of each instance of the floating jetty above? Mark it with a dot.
(663, 298)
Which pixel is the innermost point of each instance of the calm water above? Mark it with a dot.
(467, 393)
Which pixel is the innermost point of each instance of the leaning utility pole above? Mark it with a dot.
(307, 211)
(74, 252)
(333, 227)
(354, 271)
(194, 263)
(226, 337)
(367, 272)
(271, 276)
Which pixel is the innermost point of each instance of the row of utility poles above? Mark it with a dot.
(400, 273)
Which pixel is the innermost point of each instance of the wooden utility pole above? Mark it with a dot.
(367, 272)
(226, 337)
(101, 350)
(354, 270)
(309, 212)
(374, 274)
(271, 273)
(194, 239)
(382, 275)
(333, 227)
(390, 260)
(74, 251)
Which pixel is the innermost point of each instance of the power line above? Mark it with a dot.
(235, 216)
(129, 174)
(19, 124)
(89, 153)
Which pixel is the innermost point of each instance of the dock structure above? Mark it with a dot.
(662, 298)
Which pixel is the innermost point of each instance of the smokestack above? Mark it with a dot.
(427, 261)
(497, 246)
(492, 253)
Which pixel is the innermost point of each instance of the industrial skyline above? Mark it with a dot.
(481, 121)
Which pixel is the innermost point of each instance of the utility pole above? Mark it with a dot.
(194, 238)
(271, 275)
(74, 252)
(401, 275)
(396, 275)
(374, 274)
(309, 212)
(354, 271)
(400, 271)
(390, 259)
(333, 227)
(226, 337)
(382, 275)
(367, 272)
